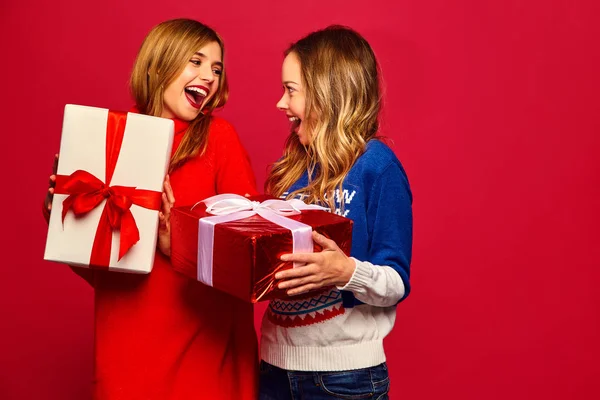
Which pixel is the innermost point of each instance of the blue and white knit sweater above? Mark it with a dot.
(343, 328)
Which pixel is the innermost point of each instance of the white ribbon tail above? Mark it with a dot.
(300, 205)
(221, 197)
(225, 204)
(301, 233)
(206, 241)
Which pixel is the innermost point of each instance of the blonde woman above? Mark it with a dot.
(330, 345)
(164, 336)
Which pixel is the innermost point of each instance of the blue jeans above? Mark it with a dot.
(280, 384)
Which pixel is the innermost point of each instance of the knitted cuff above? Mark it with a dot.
(360, 279)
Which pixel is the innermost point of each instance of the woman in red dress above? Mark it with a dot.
(163, 336)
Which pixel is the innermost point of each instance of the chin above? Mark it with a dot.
(189, 116)
(303, 141)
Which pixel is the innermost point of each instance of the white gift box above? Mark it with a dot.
(142, 163)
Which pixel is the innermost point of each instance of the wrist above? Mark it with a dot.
(347, 272)
(164, 248)
(165, 253)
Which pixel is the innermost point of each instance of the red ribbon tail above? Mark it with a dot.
(66, 206)
(102, 242)
(130, 234)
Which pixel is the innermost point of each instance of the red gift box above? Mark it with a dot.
(241, 256)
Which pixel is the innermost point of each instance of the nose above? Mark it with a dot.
(282, 104)
(206, 73)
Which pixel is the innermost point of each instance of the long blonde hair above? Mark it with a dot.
(161, 59)
(340, 77)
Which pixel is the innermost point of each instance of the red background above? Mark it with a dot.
(493, 106)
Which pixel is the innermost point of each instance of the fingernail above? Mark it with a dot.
(284, 257)
(277, 276)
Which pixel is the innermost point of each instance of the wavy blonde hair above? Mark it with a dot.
(340, 77)
(161, 59)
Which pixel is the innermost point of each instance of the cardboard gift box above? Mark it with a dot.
(233, 243)
(108, 189)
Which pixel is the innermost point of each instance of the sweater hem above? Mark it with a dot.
(331, 358)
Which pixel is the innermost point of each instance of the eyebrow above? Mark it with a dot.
(286, 82)
(202, 55)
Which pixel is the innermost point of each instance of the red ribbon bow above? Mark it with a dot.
(86, 192)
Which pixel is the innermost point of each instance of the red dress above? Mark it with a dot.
(163, 336)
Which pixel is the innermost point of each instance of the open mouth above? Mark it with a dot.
(196, 95)
(295, 123)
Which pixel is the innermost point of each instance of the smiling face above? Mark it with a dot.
(187, 94)
(293, 100)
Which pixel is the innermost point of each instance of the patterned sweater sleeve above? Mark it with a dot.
(383, 279)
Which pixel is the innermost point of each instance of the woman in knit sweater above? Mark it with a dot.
(163, 336)
(330, 345)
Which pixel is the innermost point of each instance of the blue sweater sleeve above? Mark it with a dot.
(390, 222)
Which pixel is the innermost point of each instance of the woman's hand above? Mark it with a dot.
(164, 218)
(51, 184)
(329, 267)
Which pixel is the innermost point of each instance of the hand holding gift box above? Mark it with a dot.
(233, 243)
(108, 189)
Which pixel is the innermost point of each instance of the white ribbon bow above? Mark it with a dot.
(232, 207)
